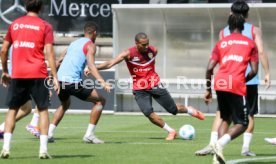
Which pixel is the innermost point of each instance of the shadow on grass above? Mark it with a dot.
(118, 142)
(54, 157)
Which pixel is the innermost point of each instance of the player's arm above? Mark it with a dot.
(90, 57)
(108, 64)
(262, 55)
(213, 61)
(51, 60)
(4, 58)
(61, 57)
(254, 63)
(208, 76)
(220, 34)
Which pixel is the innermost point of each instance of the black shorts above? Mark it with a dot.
(20, 91)
(252, 98)
(75, 89)
(160, 94)
(233, 107)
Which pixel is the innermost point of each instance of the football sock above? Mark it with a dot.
(7, 141)
(35, 120)
(167, 128)
(190, 111)
(2, 126)
(90, 129)
(214, 137)
(51, 131)
(247, 137)
(224, 140)
(43, 143)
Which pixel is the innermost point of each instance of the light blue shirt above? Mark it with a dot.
(71, 68)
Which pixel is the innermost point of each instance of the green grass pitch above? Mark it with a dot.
(133, 140)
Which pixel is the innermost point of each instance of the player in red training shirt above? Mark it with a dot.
(29, 35)
(140, 60)
(233, 53)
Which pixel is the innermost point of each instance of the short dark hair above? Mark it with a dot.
(240, 7)
(140, 35)
(90, 27)
(33, 5)
(236, 21)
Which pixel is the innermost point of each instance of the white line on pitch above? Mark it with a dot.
(249, 159)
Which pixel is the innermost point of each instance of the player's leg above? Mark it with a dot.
(252, 98)
(59, 113)
(162, 96)
(40, 94)
(64, 98)
(233, 108)
(191, 111)
(33, 126)
(95, 114)
(16, 97)
(144, 101)
(23, 111)
(213, 137)
(9, 127)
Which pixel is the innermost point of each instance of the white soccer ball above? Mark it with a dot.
(187, 132)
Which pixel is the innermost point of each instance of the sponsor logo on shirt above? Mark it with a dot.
(17, 26)
(141, 69)
(232, 57)
(232, 42)
(23, 44)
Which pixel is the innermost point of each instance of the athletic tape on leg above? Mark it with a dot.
(98, 107)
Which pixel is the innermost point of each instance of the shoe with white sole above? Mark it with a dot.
(247, 152)
(4, 154)
(92, 139)
(218, 150)
(205, 151)
(44, 155)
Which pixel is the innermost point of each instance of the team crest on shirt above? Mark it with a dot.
(150, 55)
(135, 59)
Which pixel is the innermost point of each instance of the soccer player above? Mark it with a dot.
(140, 60)
(23, 111)
(79, 53)
(233, 53)
(255, 34)
(29, 35)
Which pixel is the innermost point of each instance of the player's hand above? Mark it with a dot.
(267, 81)
(107, 87)
(56, 85)
(5, 79)
(208, 97)
(86, 72)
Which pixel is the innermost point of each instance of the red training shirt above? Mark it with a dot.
(28, 35)
(142, 69)
(233, 53)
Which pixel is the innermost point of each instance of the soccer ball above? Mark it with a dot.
(187, 132)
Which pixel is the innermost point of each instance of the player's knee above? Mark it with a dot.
(98, 106)
(102, 101)
(173, 110)
(147, 112)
